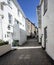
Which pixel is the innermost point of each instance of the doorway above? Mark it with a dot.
(45, 37)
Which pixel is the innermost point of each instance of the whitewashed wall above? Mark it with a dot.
(13, 10)
(23, 38)
(16, 33)
(48, 20)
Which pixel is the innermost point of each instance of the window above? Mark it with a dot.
(18, 11)
(8, 27)
(45, 37)
(16, 22)
(45, 5)
(9, 3)
(20, 23)
(8, 34)
(5, 35)
(1, 6)
(10, 18)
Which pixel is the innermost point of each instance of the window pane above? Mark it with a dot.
(8, 2)
(9, 27)
(10, 18)
(8, 34)
(45, 5)
(1, 6)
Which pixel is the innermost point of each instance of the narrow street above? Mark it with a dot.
(29, 56)
(31, 42)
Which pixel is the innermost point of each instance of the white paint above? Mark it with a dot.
(22, 37)
(16, 33)
(29, 47)
(17, 30)
(48, 20)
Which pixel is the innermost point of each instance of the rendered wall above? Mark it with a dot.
(48, 20)
(23, 38)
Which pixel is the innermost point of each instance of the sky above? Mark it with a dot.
(29, 9)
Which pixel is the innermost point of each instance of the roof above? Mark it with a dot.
(31, 22)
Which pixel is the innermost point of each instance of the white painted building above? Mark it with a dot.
(47, 22)
(39, 23)
(12, 22)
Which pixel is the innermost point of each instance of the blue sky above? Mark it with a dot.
(29, 8)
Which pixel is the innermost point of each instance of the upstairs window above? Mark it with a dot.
(10, 18)
(9, 27)
(16, 22)
(45, 5)
(5, 35)
(1, 6)
(18, 11)
(9, 3)
(8, 34)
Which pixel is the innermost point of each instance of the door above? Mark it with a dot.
(45, 37)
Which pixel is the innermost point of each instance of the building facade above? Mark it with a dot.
(30, 28)
(12, 22)
(47, 24)
(39, 23)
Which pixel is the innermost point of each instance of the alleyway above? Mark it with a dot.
(32, 56)
(31, 42)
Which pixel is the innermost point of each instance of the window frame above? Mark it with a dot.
(9, 3)
(1, 6)
(8, 33)
(9, 27)
(45, 6)
(17, 22)
(10, 18)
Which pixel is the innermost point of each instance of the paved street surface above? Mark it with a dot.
(36, 56)
(31, 42)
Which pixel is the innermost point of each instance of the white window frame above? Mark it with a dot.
(10, 18)
(45, 6)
